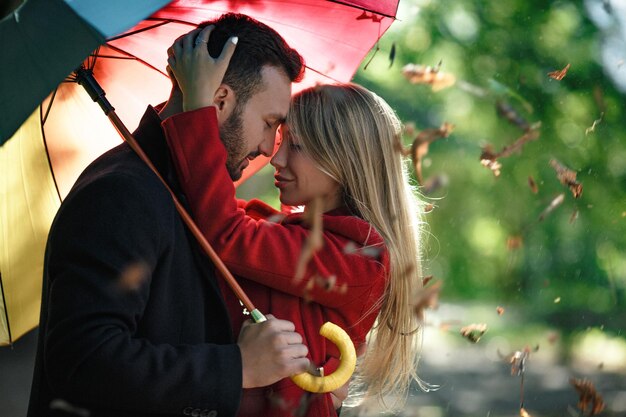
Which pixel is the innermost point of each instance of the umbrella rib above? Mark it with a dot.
(123, 35)
(45, 145)
(322, 74)
(366, 9)
(133, 57)
(6, 312)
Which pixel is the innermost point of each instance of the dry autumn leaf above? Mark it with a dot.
(592, 128)
(514, 242)
(424, 74)
(133, 276)
(489, 158)
(507, 111)
(419, 147)
(567, 177)
(428, 298)
(474, 332)
(368, 251)
(426, 280)
(533, 185)
(560, 74)
(518, 361)
(557, 201)
(500, 310)
(588, 398)
(314, 241)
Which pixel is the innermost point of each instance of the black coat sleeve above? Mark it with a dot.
(105, 246)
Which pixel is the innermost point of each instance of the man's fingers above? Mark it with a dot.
(299, 365)
(171, 63)
(229, 49)
(204, 35)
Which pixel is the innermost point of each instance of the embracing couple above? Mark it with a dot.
(135, 320)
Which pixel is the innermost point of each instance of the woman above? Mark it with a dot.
(338, 149)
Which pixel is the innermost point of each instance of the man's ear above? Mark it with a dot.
(225, 102)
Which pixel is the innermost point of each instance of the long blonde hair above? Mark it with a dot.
(352, 134)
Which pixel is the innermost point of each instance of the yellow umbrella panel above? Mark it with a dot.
(28, 202)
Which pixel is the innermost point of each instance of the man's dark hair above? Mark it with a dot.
(258, 46)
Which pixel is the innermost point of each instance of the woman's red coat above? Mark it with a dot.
(343, 283)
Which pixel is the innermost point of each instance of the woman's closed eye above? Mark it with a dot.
(295, 147)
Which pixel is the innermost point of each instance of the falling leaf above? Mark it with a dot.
(133, 276)
(369, 251)
(314, 240)
(518, 361)
(533, 185)
(507, 111)
(557, 300)
(70, 409)
(428, 298)
(424, 74)
(426, 280)
(557, 201)
(588, 397)
(433, 184)
(474, 332)
(514, 242)
(489, 160)
(419, 147)
(553, 337)
(567, 177)
(488, 157)
(559, 75)
(592, 128)
(392, 54)
(524, 413)
(500, 310)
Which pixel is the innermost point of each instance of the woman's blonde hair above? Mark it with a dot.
(353, 135)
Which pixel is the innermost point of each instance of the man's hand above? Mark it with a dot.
(270, 351)
(198, 74)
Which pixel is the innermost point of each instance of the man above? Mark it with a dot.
(132, 322)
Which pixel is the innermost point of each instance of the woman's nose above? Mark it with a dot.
(279, 160)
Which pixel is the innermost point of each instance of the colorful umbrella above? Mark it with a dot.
(333, 37)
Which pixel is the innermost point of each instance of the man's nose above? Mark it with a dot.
(267, 146)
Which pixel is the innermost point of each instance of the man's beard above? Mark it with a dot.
(231, 133)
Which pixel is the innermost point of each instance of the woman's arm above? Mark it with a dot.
(261, 250)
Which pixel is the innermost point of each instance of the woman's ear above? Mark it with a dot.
(225, 102)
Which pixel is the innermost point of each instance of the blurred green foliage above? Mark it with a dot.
(570, 270)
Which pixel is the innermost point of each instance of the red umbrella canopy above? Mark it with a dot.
(332, 36)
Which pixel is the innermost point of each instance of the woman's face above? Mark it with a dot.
(299, 179)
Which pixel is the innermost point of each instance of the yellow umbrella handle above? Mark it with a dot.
(342, 374)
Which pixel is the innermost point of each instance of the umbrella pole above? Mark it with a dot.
(86, 79)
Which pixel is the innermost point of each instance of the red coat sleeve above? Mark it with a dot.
(258, 249)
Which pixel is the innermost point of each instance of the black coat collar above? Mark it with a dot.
(151, 138)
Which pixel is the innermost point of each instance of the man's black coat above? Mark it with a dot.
(132, 320)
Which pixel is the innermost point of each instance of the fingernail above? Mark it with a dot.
(234, 40)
